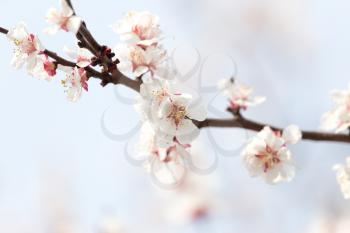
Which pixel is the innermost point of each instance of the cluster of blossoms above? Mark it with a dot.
(338, 119)
(343, 177)
(266, 154)
(170, 115)
(29, 50)
(167, 112)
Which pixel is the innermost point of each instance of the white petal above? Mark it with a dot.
(83, 64)
(187, 132)
(140, 71)
(66, 69)
(70, 52)
(51, 30)
(291, 134)
(18, 60)
(197, 112)
(66, 9)
(73, 24)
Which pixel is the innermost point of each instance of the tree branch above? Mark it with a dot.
(116, 77)
(241, 122)
(3, 30)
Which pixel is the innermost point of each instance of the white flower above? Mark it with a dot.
(81, 55)
(170, 112)
(338, 119)
(138, 28)
(65, 19)
(166, 164)
(75, 82)
(44, 69)
(151, 96)
(149, 148)
(343, 177)
(135, 61)
(239, 94)
(175, 118)
(267, 155)
(27, 48)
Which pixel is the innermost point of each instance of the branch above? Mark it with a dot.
(104, 77)
(87, 39)
(114, 76)
(240, 122)
(3, 30)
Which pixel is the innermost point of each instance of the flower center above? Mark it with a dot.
(269, 158)
(26, 46)
(159, 95)
(17, 42)
(136, 58)
(177, 113)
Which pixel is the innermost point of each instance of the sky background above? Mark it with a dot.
(59, 168)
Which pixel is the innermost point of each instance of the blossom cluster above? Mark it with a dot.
(266, 154)
(29, 50)
(168, 113)
(338, 119)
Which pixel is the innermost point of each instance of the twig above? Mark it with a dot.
(241, 122)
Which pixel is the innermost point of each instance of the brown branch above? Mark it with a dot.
(104, 77)
(3, 30)
(114, 76)
(240, 122)
(58, 59)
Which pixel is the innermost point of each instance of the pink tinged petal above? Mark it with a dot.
(291, 134)
(83, 63)
(73, 24)
(50, 68)
(85, 85)
(83, 79)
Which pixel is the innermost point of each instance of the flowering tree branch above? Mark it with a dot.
(238, 121)
(170, 117)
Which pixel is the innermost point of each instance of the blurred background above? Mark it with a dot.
(61, 173)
